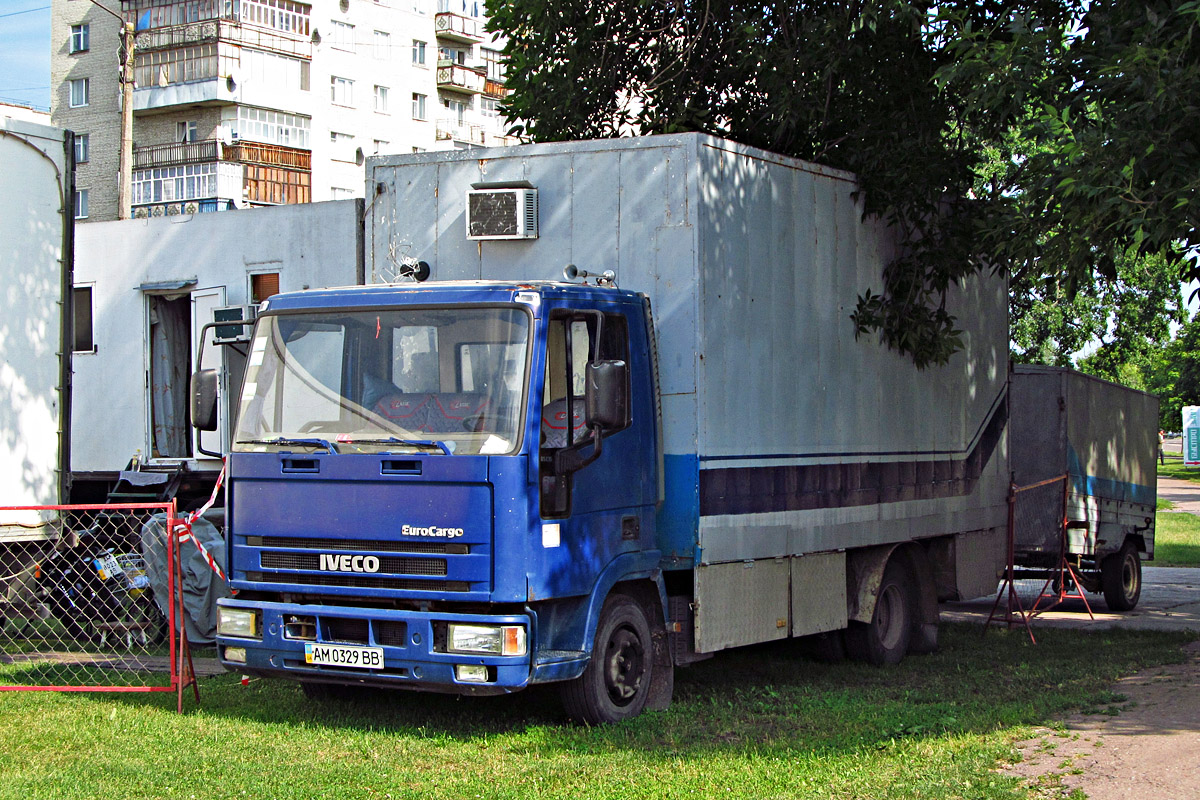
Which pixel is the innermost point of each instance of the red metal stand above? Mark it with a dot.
(1007, 585)
(1064, 578)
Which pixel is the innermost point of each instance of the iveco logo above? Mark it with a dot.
(335, 563)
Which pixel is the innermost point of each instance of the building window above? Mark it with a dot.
(263, 285)
(343, 147)
(458, 109)
(82, 147)
(79, 38)
(81, 317)
(79, 92)
(383, 45)
(338, 193)
(418, 106)
(273, 127)
(418, 53)
(280, 15)
(343, 36)
(185, 131)
(381, 99)
(381, 145)
(453, 55)
(171, 184)
(81, 203)
(341, 91)
(492, 63)
(180, 65)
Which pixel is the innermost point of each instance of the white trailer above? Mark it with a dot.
(1103, 436)
(153, 284)
(36, 224)
(799, 460)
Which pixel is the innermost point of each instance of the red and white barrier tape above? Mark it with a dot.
(183, 528)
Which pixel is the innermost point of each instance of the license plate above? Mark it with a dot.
(107, 566)
(343, 655)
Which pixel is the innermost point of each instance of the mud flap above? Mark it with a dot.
(662, 685)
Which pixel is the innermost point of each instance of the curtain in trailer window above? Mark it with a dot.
(170, 346)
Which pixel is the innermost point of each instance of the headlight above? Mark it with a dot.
(237, 622)
(501, 640)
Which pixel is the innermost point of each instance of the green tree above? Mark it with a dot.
(1173, 373)
(1124, 320)
(1003, 134)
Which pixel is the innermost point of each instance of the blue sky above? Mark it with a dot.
(25, 52)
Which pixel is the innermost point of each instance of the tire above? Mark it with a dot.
(1121, 578)
(884, 640)
(616, 683)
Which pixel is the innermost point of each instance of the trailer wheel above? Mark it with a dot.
(1121, 578)
(616, 683)
(884, 640)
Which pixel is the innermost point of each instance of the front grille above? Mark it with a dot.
(361, 582)
(359, 545)
(391, 634)
(395, 565)
(347, 631)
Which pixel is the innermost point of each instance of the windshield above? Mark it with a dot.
(444, 381)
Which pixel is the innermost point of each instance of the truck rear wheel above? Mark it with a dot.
(884, 640)
(1121, 578)
(616, 683)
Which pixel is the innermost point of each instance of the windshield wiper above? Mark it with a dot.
(284, 441)
(443, 446)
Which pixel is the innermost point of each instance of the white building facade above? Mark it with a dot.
(241, 103)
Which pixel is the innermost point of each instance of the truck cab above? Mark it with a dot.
(450, 487)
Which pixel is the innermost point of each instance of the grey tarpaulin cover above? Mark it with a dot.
(201, 586)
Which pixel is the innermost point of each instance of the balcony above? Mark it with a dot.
(168, 155)
(457, 28)
(269, 155)
(453, 130)
(229, 31)
(460, 78)
(494, 88)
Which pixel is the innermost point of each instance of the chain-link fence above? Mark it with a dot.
(85, 603)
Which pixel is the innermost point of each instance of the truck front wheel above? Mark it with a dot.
(884, 640)
(1121, 578)
(616, 683)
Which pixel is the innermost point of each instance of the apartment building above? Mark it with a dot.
(241, 103)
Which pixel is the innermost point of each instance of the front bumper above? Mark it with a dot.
(414, 657)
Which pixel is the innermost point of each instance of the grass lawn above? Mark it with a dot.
(1176, 538)
(1174, 468)
(762, 722)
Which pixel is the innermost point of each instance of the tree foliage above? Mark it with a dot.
(992, 133)
(1173, 373)
(1123, 320)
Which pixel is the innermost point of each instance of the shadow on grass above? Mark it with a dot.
(763, 698)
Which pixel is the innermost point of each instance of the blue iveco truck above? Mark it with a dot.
(498, 478)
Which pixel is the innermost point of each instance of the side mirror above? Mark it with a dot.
(606, 392)
(204, 400)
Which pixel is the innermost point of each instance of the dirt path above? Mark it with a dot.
(1148, 748)
(1145, 747)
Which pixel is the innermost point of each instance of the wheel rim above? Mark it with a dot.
(1129, 575)
(889, 616)
(624, 666)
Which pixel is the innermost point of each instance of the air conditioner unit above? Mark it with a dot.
(502, 213)
(242, 316)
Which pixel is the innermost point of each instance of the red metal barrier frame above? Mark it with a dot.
(181, 670)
